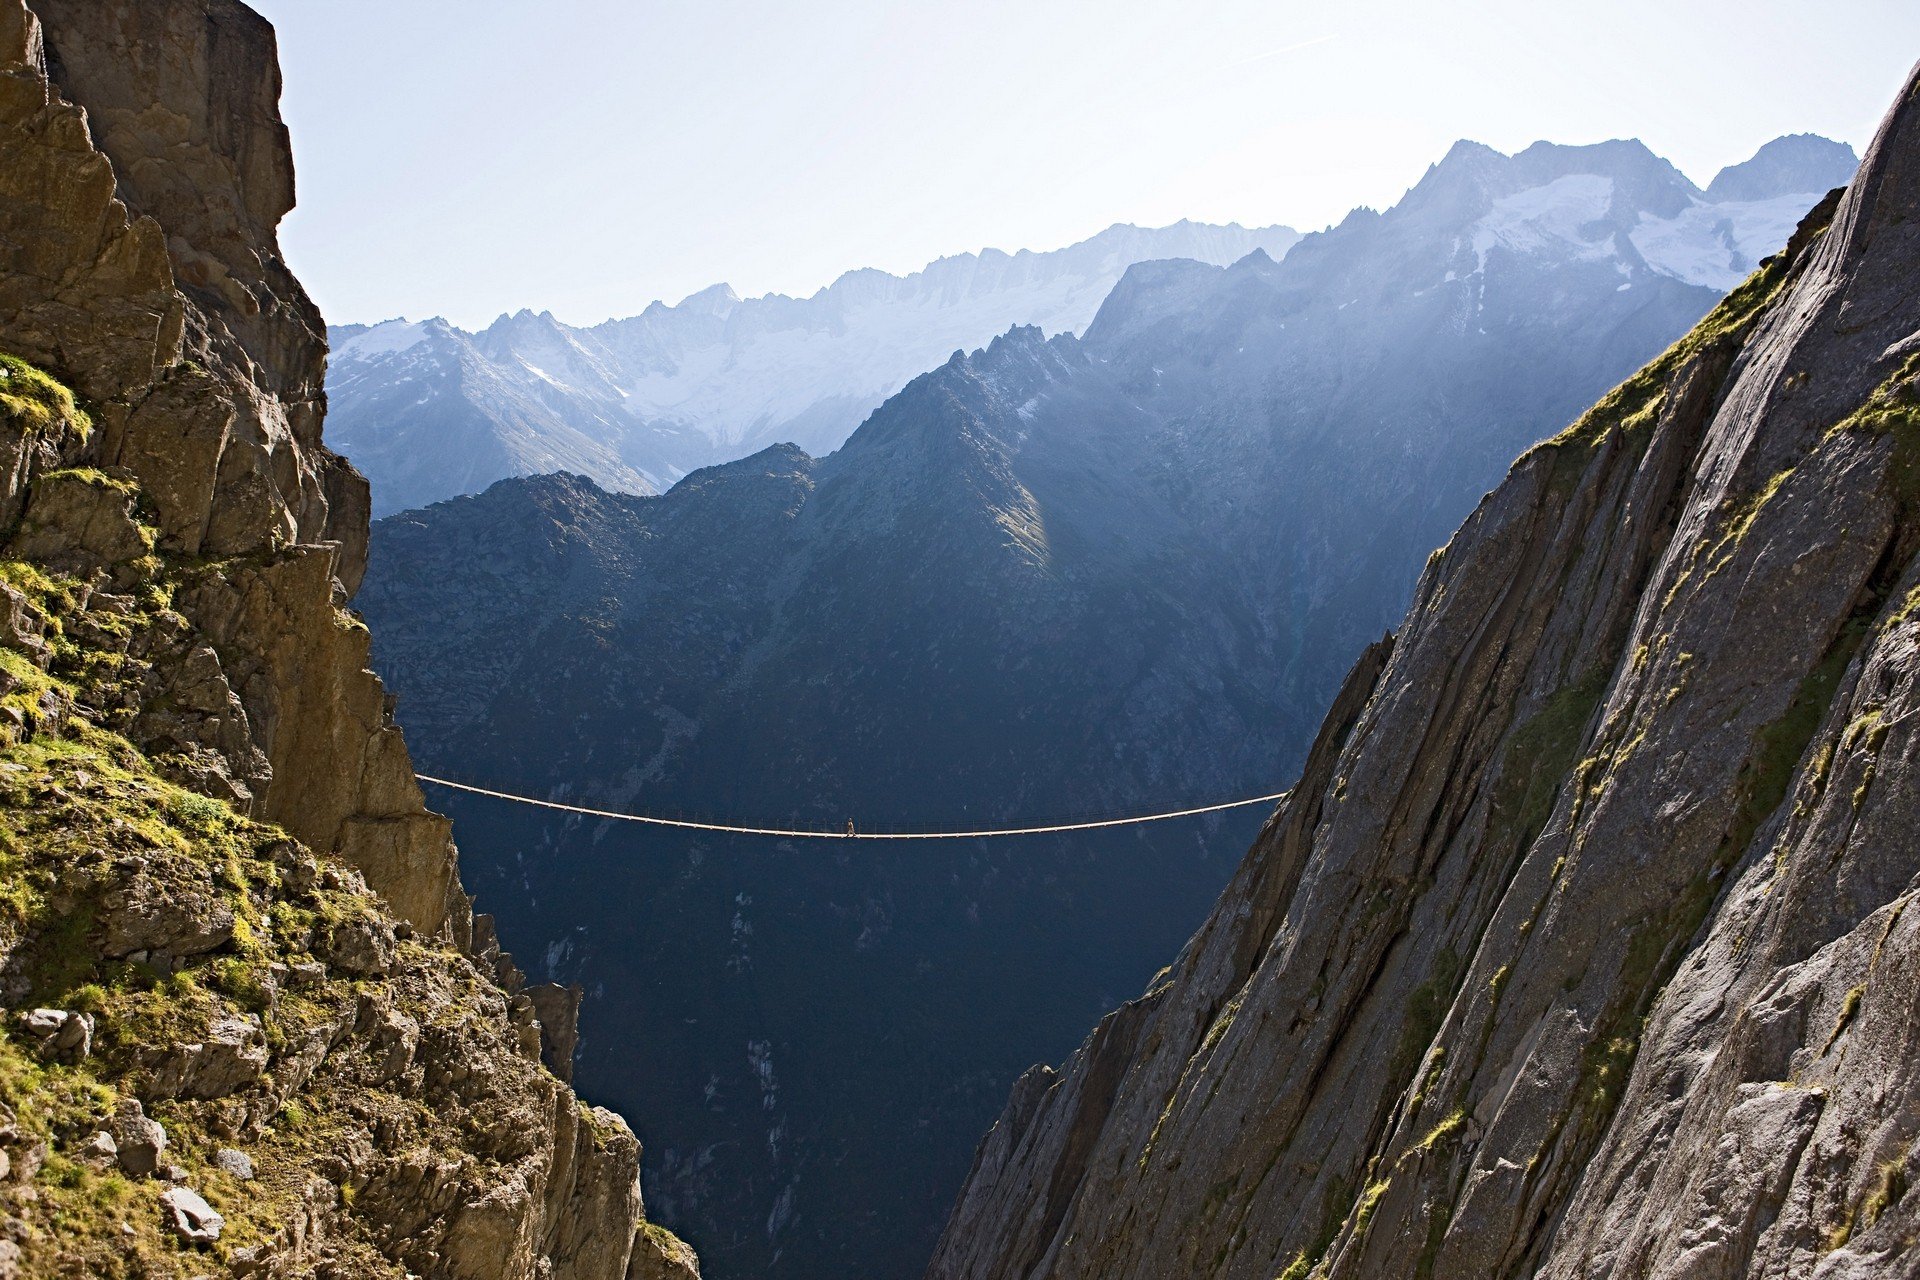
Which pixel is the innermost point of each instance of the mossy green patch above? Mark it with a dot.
(1893, 407)
(1605, 1067)
(56, 594)
(1849, 1010)
(1221, 1023)
(95, 477)
(1888, 1188)
(34, 399)
(1441, 1135)
(1436, 1065)
(77, 806)
(1769, 769)
(1369, 1202)
(1298, 1268)
(1539, 759)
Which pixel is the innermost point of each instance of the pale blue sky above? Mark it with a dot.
(467, 157)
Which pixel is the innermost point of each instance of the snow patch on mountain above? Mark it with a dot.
(1719, 245)
(389, 337)
(1557, 218)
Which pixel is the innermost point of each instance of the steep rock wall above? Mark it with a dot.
(214, 406)
(1580, 950)
(346, 1072)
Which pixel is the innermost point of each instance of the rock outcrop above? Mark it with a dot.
(1581, 948)
(255, 1026)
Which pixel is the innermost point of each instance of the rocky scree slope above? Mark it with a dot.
(1582, 947)
(250, 1021)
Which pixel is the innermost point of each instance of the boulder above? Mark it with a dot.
(59, 1034)
(22, 626)
(43, 1024)
(99, 1149)
(236, 1164)
(362, 946)
(306, 973)
(250, 1260)
(162, 915)
(138, 1139)
(231, 1057)
(190, 1217)
(393, 1045)
(80, 520)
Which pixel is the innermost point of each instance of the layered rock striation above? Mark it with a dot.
(1581, 948)
(252, 1021)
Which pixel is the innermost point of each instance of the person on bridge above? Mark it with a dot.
(849, 826)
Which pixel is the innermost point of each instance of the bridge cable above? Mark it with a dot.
(723, 828)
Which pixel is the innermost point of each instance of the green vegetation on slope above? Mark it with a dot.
(87, 823)
(253, 997)
(32, 399)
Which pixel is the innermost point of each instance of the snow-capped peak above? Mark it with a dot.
(389, 337)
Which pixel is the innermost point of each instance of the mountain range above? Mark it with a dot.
(1057, 575)
(429, 411)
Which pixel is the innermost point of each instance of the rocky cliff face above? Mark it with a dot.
(251, 1018)
(1581, 948)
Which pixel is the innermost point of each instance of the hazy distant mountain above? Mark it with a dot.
(429, 411)
(1055, 576)
(1798, 162)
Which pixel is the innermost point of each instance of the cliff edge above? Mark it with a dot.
(250, 1018)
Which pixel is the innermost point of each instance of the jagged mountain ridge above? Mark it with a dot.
(1053, 577)
(432, 412)
(1580, 948)
(946, 479)
(251, 1022)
